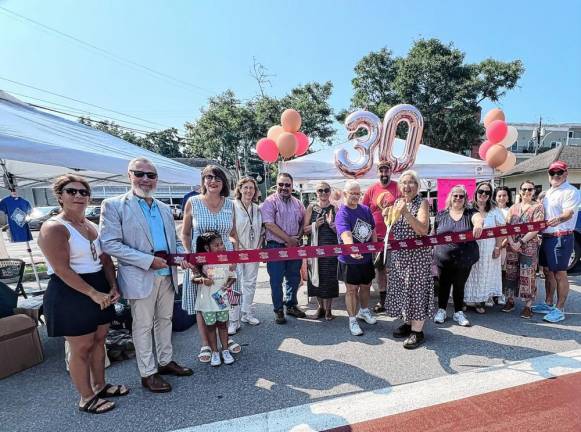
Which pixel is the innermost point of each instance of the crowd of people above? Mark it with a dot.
(134, 227)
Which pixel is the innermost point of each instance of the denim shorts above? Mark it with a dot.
(556, 251)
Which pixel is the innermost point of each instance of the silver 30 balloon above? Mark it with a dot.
(384, 135)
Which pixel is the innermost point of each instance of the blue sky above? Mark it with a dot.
(210, 44)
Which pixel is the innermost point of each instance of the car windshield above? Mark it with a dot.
(40, 211)
(91, 211)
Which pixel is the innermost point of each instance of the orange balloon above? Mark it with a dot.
(290, 120)
(508, 164)
(496, 155)
(274, 132)
(492, 115)
(287, 144)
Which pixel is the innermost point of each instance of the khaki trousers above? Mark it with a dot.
(153, 313)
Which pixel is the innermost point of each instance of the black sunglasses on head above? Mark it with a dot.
(558, 173)
(326, 190)
(139, 174)
(287, 185)
(484, 192)
(74, 192)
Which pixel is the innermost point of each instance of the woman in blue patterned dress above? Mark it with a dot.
(212, 210)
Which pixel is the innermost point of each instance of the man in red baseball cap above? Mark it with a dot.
(379, 196)
(561, 203)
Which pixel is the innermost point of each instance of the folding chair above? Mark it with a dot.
(12, 272)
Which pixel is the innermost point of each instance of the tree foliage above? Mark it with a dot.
(435, 78)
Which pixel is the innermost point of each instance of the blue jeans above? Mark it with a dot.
(278, 271)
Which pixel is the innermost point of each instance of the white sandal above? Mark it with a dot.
(233, 346)
(205, 355)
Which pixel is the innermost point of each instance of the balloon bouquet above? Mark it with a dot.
(381, 136)
(284, 139)
(499, 136)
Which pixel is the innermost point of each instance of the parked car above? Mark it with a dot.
(576, 255)
(93, 213)
(176, 210)
(39, 215)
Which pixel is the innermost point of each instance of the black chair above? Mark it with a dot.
(12, 272)
(8, 300)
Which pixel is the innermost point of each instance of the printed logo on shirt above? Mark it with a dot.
(19, 217)
(362, 231)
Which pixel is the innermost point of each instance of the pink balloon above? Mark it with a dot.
(267, 150)
(483, 149)
(496, 131)
(302, 143)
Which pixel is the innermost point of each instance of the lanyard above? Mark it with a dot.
(251, 218)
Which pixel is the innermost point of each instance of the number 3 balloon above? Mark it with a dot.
(366, 144)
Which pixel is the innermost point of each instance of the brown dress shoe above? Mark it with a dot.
(295, 311)
(156, 384)
(172, 368)
(526, 313)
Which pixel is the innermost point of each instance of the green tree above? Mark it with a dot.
(112, 128)
(434, 78)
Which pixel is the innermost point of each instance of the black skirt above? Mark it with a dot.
(356, 274)
(71, 313)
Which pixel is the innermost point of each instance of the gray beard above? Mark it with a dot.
(143, 194)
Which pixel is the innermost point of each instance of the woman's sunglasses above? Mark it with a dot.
(484, 192)
(458, 196)
(210, 178)
(527, 189)
(326, 190)
(139, 174)
(556, 173)
(74, 192)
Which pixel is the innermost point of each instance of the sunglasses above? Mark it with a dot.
(484, 192)
(458, 196)
(286, 185)
(556, 173)
(210, 178)
(139, 174)
(93, 250)
(527, 189)
(74, 192)
(326, 190)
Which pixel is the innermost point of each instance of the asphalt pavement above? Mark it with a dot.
(301, 362)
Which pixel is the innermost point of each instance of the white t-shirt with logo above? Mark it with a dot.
(559, 199)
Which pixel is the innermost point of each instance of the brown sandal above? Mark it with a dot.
(95, 406)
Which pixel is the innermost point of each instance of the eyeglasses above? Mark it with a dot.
(73, 192)
(556, 173)
(527, 189)
(211, 177)
(458, 196)
(93, 250)
(354, 193)
(286, 185)
(484, 192)
(326, 190)
(139, 174)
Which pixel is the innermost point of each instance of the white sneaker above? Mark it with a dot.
(354, 328)
(365, 315)
(250, 319)
(233, 327)
(440, 316)
(502, 300)
(216, 360)
(489, 302)
(461, 319)
(228, 359)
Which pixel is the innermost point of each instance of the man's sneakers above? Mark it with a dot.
(461, 319)
(233, 327)
(354, 327)
(365, 315)
(279, 317)
(542, 308)
(440, 316)
(555, 316)
(295, 311)
(248, 318)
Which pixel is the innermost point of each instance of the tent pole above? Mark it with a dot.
(29, 250)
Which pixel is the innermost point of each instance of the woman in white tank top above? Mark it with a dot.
(78, 303)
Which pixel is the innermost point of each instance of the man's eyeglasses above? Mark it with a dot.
(556, 173)
(139, 174)
(527, 189)
(484, 192)
(458, 196)
(73, 192)
(326, 190)
(211, 177)
(286, 185)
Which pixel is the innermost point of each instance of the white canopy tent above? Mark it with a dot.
(36, 147)
(431, 164)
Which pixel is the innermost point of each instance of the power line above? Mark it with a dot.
(111, 55)
(82, 102)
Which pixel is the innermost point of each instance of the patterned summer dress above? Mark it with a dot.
(204, 220)
(521, 266)
(410, 288)
(485, 279)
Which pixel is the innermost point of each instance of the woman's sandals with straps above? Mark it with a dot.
(95, 405)
(205, 354)
(110, 390)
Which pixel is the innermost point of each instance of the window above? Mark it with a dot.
(571, 134)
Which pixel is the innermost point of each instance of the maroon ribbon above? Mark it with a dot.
(301, 252)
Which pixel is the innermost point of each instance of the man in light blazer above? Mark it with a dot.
(133, 227)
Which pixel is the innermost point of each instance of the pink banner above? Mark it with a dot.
(446, 185)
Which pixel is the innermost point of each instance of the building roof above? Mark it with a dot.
(569, 154)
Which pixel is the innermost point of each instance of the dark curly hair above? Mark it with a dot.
(61, 182)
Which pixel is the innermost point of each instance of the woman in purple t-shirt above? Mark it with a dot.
(354, 223)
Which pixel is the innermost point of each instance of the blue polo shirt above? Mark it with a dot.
(157, 230)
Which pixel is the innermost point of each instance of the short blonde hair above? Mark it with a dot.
(410, 173)
(242, 182)
(456, 189)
